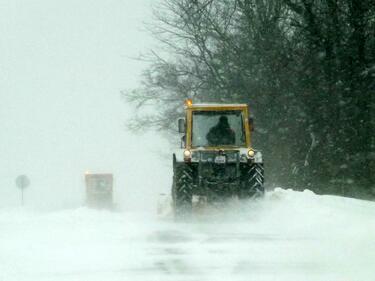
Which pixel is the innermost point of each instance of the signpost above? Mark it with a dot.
(22, 182)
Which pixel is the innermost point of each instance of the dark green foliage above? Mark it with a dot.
(306, 67)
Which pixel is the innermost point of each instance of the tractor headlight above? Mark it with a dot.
(187, 153)
(251, 153)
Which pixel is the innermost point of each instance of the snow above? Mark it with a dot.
(287, 236)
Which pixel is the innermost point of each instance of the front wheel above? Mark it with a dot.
(182, 190)
(252, 182)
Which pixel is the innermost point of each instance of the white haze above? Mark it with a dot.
(62, 67)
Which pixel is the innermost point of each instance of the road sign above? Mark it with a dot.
(22, 181)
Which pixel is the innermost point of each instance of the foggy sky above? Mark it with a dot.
(62, 67)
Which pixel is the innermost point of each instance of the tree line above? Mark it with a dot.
(305, 67)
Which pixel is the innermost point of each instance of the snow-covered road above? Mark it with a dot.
(287, 236)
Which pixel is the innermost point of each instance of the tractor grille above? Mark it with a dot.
(225, 170)
(218, 172)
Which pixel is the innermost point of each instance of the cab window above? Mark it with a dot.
(218, 128)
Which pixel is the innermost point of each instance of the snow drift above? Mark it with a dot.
(287, 236)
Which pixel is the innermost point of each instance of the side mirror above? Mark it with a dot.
(181, 125)
(251, 124)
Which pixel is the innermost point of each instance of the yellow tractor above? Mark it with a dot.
(216, 160)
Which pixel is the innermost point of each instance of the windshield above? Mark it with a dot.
(217, 128)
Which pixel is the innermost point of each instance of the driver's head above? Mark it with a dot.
(223, 121)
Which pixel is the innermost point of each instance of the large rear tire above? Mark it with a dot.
(182, 190)
(252, 182)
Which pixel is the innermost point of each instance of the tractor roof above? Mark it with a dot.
(215, 106)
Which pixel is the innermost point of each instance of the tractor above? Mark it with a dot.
(216, 160)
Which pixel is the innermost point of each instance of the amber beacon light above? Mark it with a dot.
(188, 102)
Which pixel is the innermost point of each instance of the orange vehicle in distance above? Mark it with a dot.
(99, 190)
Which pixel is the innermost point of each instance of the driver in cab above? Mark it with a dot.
(221, 133)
